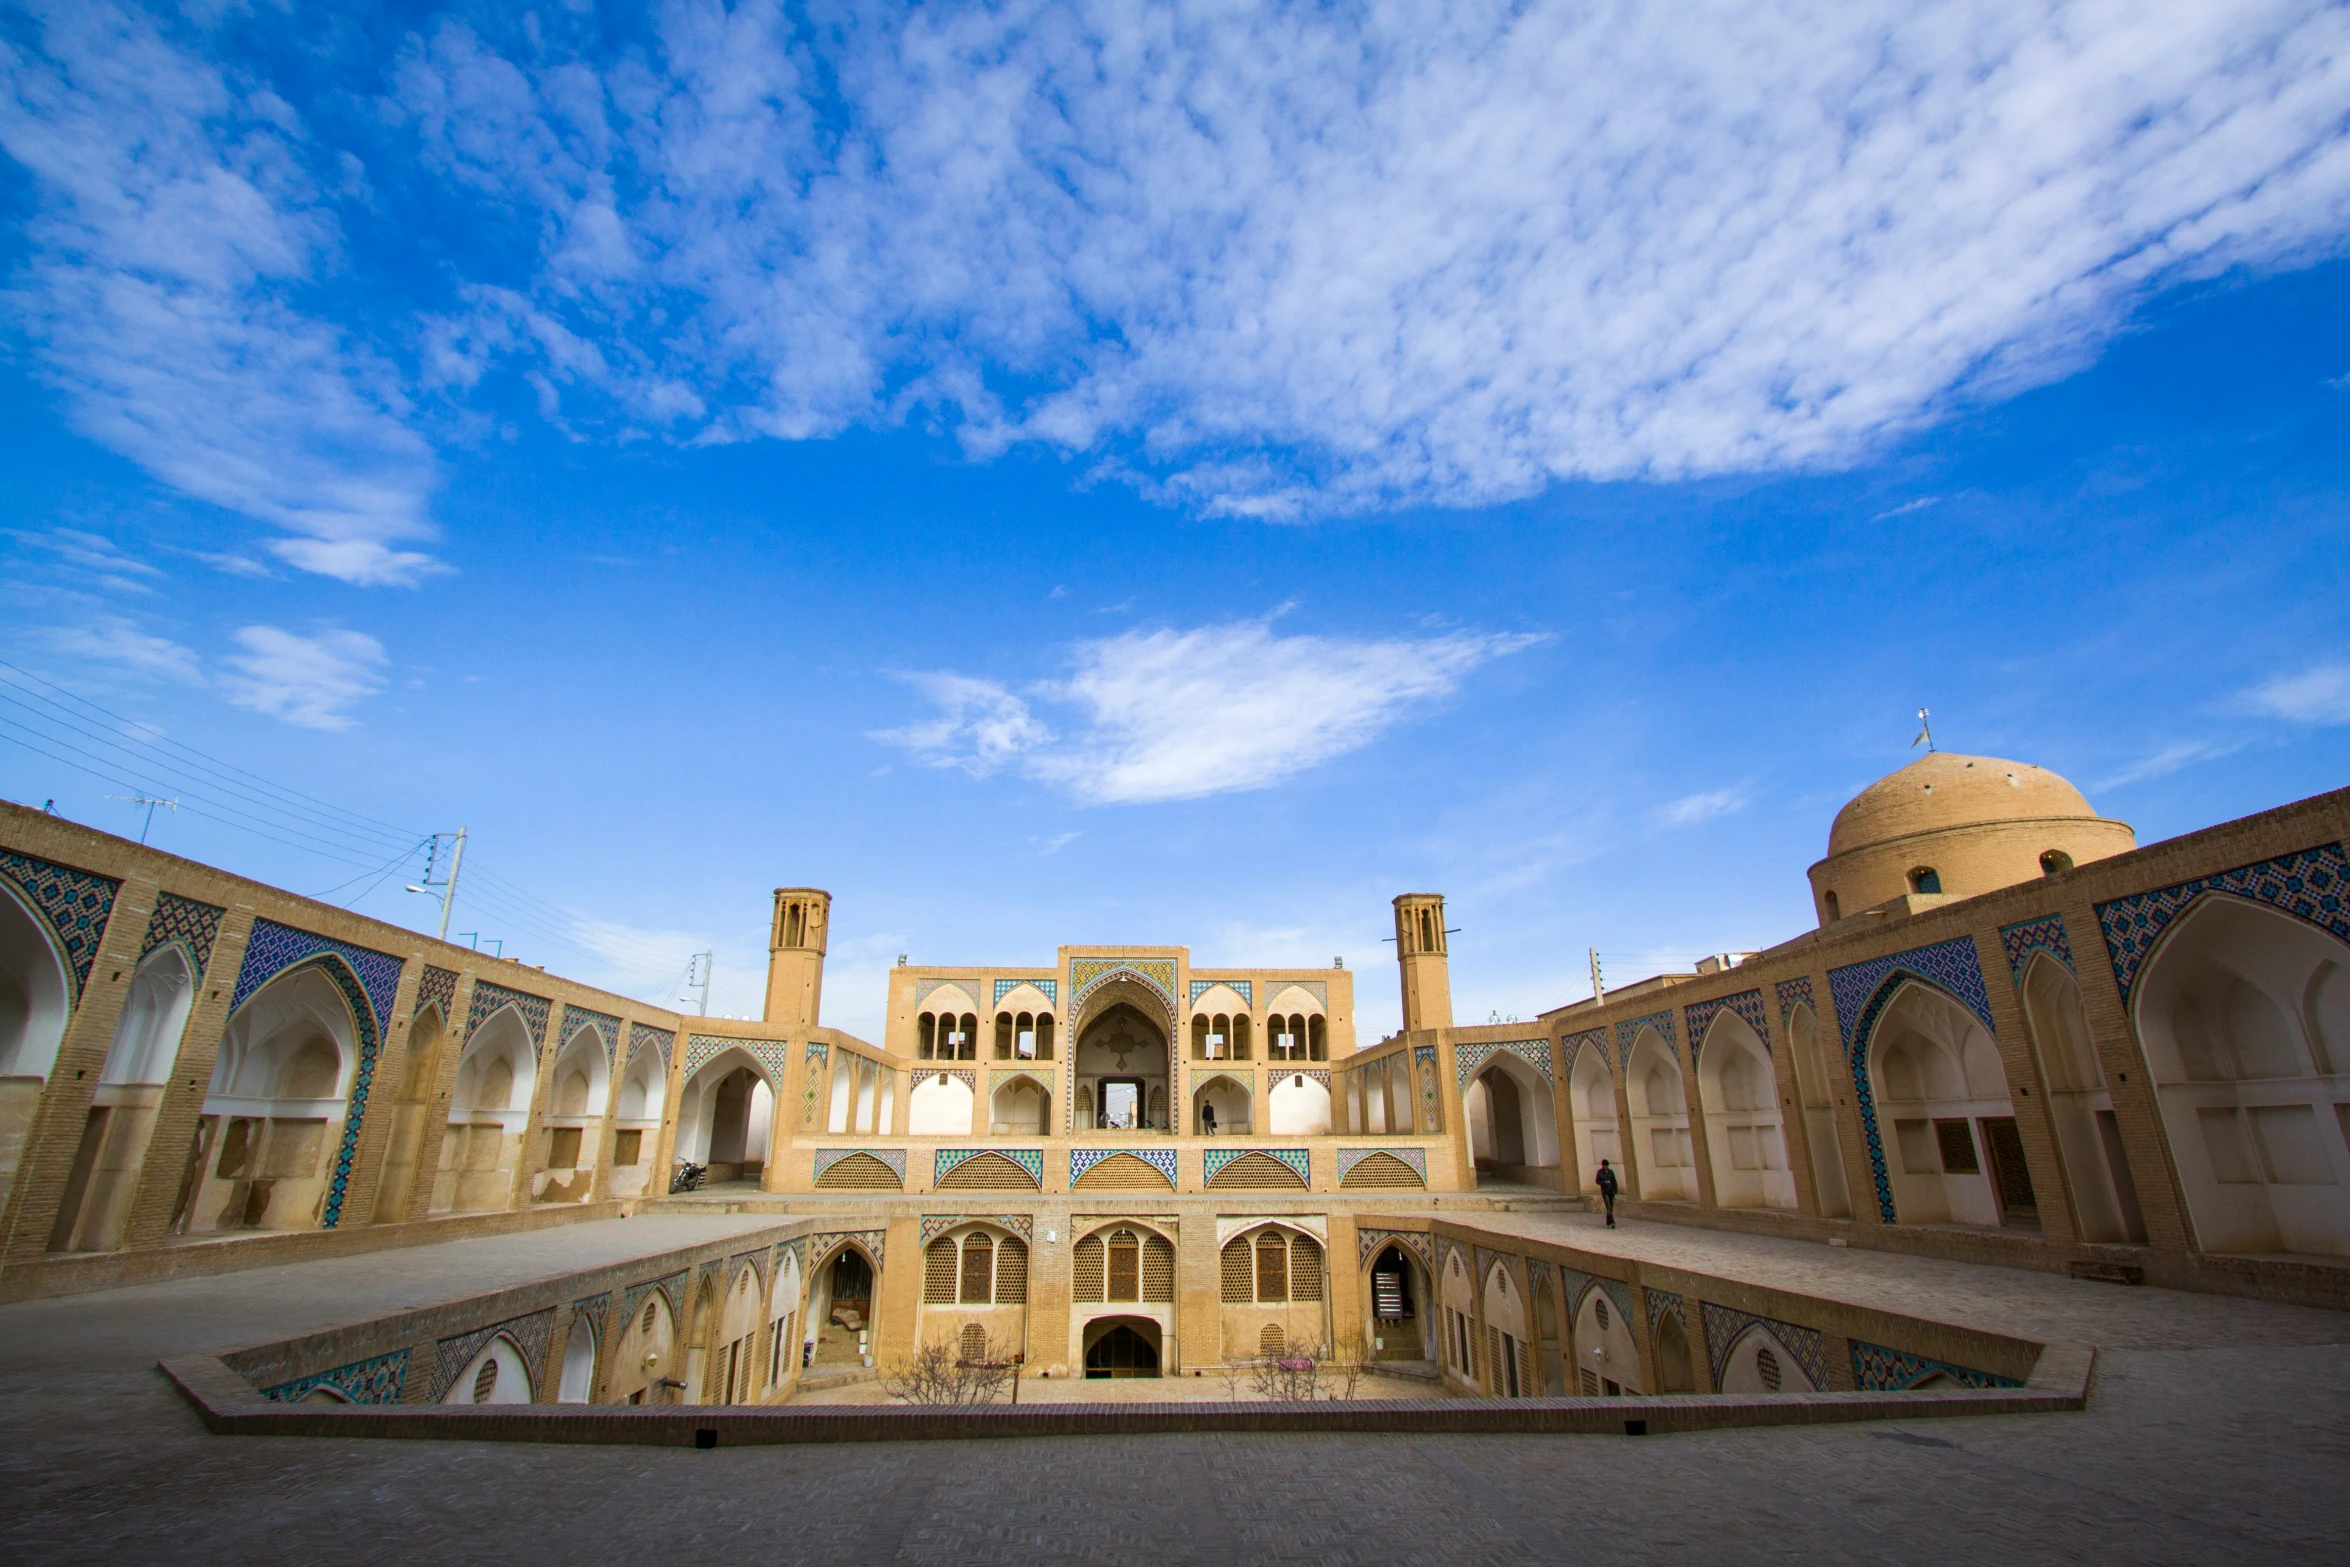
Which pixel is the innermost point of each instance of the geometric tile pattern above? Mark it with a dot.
(895, 1158)
(670, 1288)
(1298, 1159)
(2041, 935)
(1004, 987)
(436, 987)
(773, 1054)
(1662, 1301)
(1466, 1059)
(1748, 1004)
(923, 988)
(184, 921)
(1794, 993)
(2313, 885)
(1621, 1293)
(528, 1335)
(1424, 1062)
(660, 1040)
(1724, 1328)
(332, 965)
(1573, 1044)
(377, 1381)
(821, 1246)
(1318, 989)
(1029, 1159)
(488, 998)
(1246, 988)
(1088, 974)
(936, 1224)
(1861, 991)
(818, 1054)
(1159, 1159)
(1876, 1369)
(607, 1028)
(1630, 1028)
(1369, 1243)
(970, 1079)
(274, 948)
(1348, 1158)
(75, 903)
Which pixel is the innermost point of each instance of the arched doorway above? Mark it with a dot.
(2088, 1132)
(726, 1117)
(636, 1136)
(1591, 1098)
(104, 1177)
(1954, 1156)
(489, 1106)
(2245, 1015)
(1124, 1061)
(840, 1311)
(276, 1101)
(1740, 1095)
(1513, 1133)
(1512, 1370)
(1222, 1107)
(575, 1116)
(1021, 1106)
(1660, 1121)
(1670, 1345)
(1397, 1320)
(1121, 1347)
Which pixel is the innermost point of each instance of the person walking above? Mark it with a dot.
(1207, 1119)
(1605, 1180)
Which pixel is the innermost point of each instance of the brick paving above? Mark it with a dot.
(2216, 1434)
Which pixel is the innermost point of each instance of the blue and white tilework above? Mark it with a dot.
(1861, 991)
(1876, 1369)
(380, 1380)
(895, 1158)
(2312, 885)
(822, 1246)
(1004, 987)
(184, 923)
(1084, 1159)
(1630, 1028)
(1795, 993)
(1348, 1158)
(1574, 1044)
(773, 1055)
(1725, 1327)
(1030, 1160)
(607, 1028)
(1424, 1068)
(659, 1040)
(936, 1224)
(273, 948)
(1369, 1243)
(1466, 1059)
(76, 904)
(670, 1289)
(488, 998)
(1246, 989)
(1699, 1017)
(435, 987)
(1213, 1161)
(2031, 936)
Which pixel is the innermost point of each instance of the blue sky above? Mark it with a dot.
(1161, 474)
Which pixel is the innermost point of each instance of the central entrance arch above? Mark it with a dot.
(1122, 1347)
(1124, 1063)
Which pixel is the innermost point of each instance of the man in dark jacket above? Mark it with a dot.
(1605, 1180)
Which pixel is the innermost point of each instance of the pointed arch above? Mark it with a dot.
(1591, 1109)
(1934, 1073)
(1738, 1091)
(104, 1176)
(1816, 1080)
(1661, 1145)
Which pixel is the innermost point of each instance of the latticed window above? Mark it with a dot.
(1085, 1269)
(973, 1345)
(1272, 1267)
(938, 1273)
(1305, 1269)
(1011, 1273)
(1271, 1342)
(1240, 1285)
(485, 1381)
(1125, 1266)
(1766, 1366)
(1158, 1268)
(978, 1270)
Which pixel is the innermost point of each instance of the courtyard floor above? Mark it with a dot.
(2216, 1432)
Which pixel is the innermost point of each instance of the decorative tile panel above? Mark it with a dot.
(923, 988)
(489, 998)
(76, 904)
(1621, 1293)
(1004, 987)
(1877, 1369)
(774, 1055)
(528, 1335)
(964, 1075)
(1630, 1028)
(1348, 1158)
(1424, 1067)
(1369, 1243)
(671, 1290)
(2041, 935)
(607, 1028)
(1028, 1159)
(435, 987)
(1466, 1059)
(1086, 974)
(1795, 992)
(338, 1187)
(817, 1055)
(1159, 1159)
(380, 1380)
(1213, 1160)
(895, 1158)
(1573, 1044)
(183, 922)
(1862, 990)
(1319, 989)
(2313, 885)
(658, 1040)
(1699, 1017)
(1660, 1302)
(936, 1224)
(1245, 988)
(822, 1246)
(273, 948)
(1725, 1327)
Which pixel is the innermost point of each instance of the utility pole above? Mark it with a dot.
(448, 888)
(172, 805)
(1598, 991)
(701, 965)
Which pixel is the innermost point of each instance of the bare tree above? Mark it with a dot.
(941, 1373)
(1349, 1363)
(1286, 1379)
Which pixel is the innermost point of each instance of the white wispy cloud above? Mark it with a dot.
(119, 641)
(1690, 810)
(2318, 695)
(2172, 758)
(175, 224)
(310, 681)
(1178, 715)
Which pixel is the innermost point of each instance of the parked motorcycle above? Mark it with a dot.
(689, 1176)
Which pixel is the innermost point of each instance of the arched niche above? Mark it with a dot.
(581, 1087)
(648, 1361)
(1739, 1093)
(732, 1369)
(1758, 1363)
(1399, 1317)
(497, 1374)
(1223, 1106)
(2080, 1107)
(1607, 1357)
(1297, 1105)
(1515, 1369)
(1660, 1120)
(1817, 1080)
(785, 1298)
(120, 1123)
(1123, 1057)
(636, 1121)
(489, 1107)
(1591, 1099)
(1952, 1153)
(726, 1116)
(939, 1106)
(843, 1287)
(1513, 1128)
(274, 1111)
(411, 1113)
(578, 1382)
(1021, 1106)
(2244, 1013)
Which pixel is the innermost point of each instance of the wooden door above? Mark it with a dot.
(2011, 1179)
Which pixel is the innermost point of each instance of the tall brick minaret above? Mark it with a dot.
(1420, 954)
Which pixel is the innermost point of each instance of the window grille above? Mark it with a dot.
(1085, 1269)
(974, 1342)
(978, 1270)
(1240, 1285)
(1158, 1269)
(1305, 1269)
(1588, 1380)
(1766, 1366)
(485, 1381)
(938, 1273)
(1272, 1268)
(1125, 1266)
(1011, 1273)
(1271, 1342)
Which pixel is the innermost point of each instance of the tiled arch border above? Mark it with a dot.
(75, 905)
(2312, 885)
(1861, 992)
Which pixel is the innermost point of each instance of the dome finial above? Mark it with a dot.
(1925, 732)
